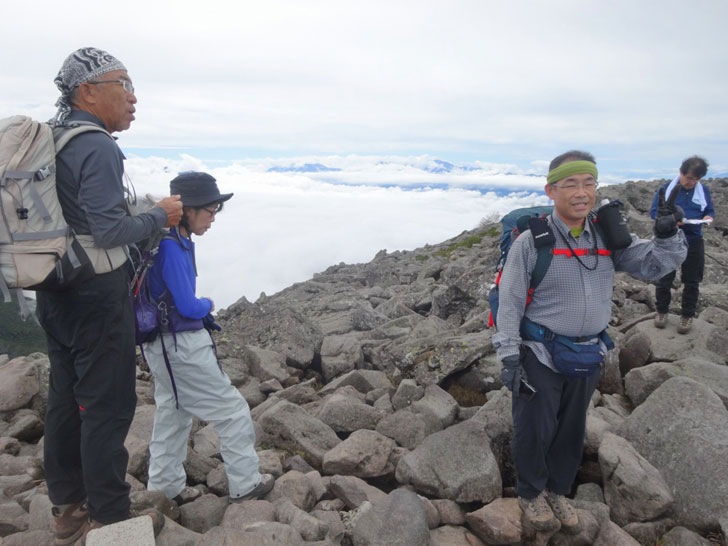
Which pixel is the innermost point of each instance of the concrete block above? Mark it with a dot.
(131, 532)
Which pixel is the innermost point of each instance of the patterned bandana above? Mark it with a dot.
(81, 66)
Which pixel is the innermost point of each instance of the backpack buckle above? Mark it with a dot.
(45, 172)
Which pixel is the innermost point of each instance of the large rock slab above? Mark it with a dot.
(399, 519)
(261, 533)
(366, 454)
(682, 429)
(455, 464)
(642, 382)
(278, 327)
(347, 414)
(137, 442)
(633, 488)
(290, 427)
(340, 354)
(431, 360)
(18, 383)
(704, 339)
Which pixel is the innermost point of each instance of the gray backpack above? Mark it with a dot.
(38, 250)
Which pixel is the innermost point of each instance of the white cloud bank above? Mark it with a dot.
(281, 228)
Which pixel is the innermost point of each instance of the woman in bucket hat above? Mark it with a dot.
(189, 381)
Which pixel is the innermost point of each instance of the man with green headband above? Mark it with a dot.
(565, 322)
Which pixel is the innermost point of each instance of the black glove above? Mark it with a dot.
(512, 373)
(209, 323)
(668, 214)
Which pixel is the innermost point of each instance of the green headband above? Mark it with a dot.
(570, 168)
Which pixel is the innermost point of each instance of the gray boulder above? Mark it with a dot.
(137, 442)
(431, 360)
(261, 533)
(679, 536)
(438, 404)
(278, 327)
(18, 383)
(633, 488)
(398, 519)
(204, 513)
(265, 364)
(455, 464)
(682, 429)
(704, 340)
(408, 391)
(366, 454)
(347, 414)
(340, 354)
(354, 491)
(406, 428)
(642, 382)
(362, 380)
(291, 427)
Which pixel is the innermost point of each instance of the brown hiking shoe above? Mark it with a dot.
(68, 522)
(266, 483)
(562, 510)
(537, 512)
(660, 320)
(685, 324)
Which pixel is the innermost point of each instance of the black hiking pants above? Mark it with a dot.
(91, 394)
(548, 430)
(691, 275)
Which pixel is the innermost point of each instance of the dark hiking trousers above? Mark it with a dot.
(91, 395)
(691, 275)
(549, 429)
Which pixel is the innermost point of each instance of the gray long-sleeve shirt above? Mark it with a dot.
(573, 300)
(89, 181)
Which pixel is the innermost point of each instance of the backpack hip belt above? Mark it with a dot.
(532, 331)
(103, 260)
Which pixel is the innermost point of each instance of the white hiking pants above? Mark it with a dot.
(204, 391)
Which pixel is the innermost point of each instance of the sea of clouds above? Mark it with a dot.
(291, 218)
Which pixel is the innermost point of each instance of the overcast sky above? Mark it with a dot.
(641, 84)
(381, 91)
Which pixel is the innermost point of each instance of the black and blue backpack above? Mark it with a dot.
(513, 225)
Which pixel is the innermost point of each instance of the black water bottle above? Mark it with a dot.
(613, 225)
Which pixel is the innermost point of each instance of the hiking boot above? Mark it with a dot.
(68, 522)
(537, 512)
(660, 320)
(266, 483)
(188, 494)
(685, 324)
(562, 510)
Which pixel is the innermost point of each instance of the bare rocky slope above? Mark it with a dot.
(377, 401)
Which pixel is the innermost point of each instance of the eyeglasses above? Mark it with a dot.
(571, 186)
(214, 210)
(126, 84)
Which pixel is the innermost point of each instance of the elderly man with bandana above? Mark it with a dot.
(572, 302)
(90, 328)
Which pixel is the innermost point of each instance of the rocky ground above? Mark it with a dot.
(377, 401)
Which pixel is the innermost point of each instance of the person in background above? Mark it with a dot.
(90, 328)
(573, 303)
(189, 381)
(694, 199)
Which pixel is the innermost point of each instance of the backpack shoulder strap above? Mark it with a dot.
(543, 240)
(62, 134)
